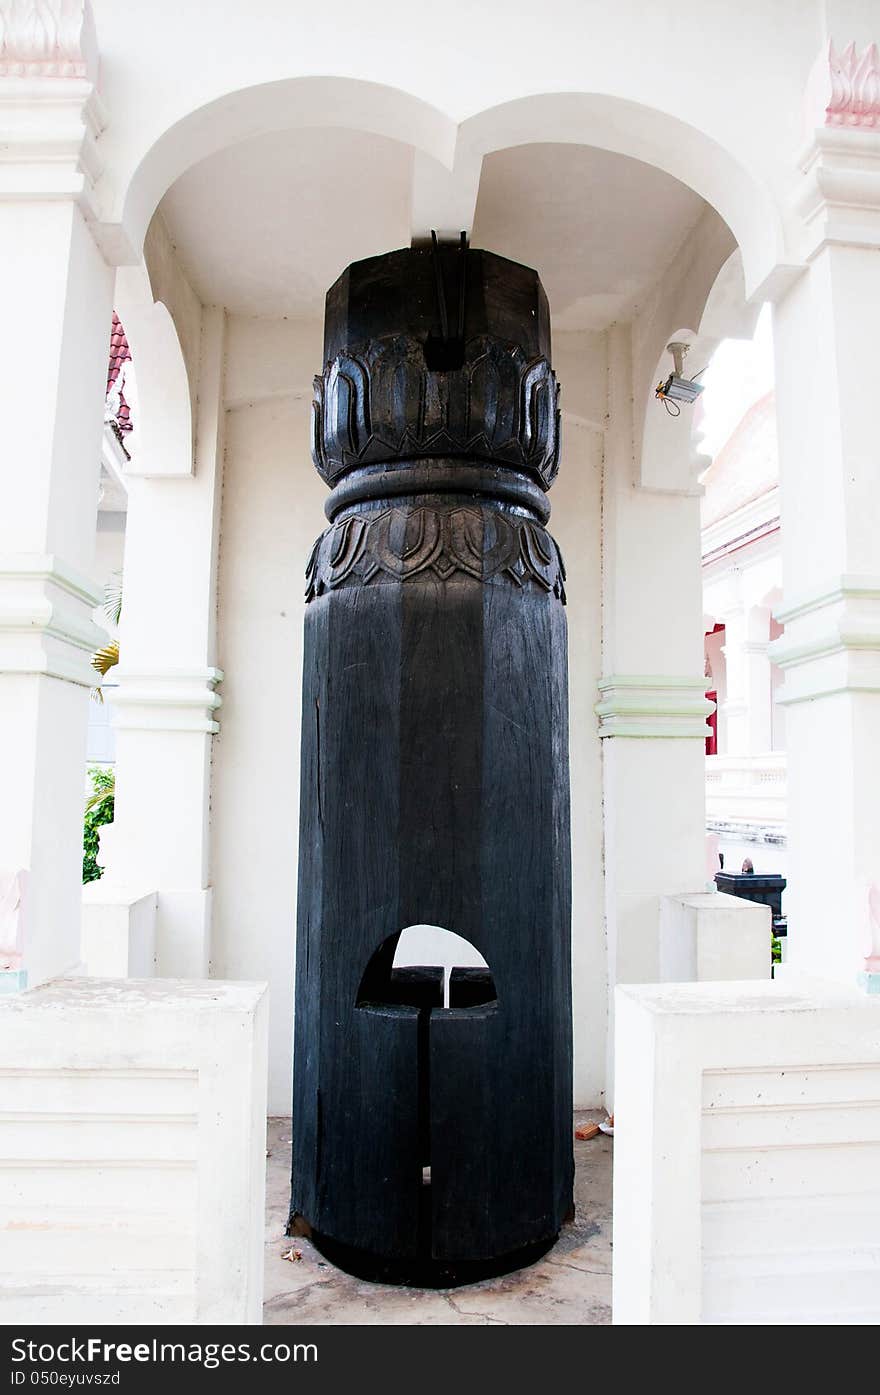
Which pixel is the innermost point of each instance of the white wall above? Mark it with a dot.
(272, 512)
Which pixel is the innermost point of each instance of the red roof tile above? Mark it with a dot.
(119, 354)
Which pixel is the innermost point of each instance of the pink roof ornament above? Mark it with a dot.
(48, 39)
(843, 89)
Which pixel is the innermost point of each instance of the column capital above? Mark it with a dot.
(839, 195)
(167, 700)
(652, 705)
(45, 619)
(832, 639)
(50, 112)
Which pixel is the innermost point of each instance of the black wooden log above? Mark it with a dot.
(433, 1144)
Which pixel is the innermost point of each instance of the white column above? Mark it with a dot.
(747, 706)
(652, 706)
(735, 707)
(166, 703)
(56, 299)
(828, 369)
(759, 695)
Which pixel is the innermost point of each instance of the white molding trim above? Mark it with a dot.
(167, 700)
(831, 643)
(46, 626)
(651, 705)
(828, 593)
(746, 524)
(839, 196)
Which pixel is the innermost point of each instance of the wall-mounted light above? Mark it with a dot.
(677, 388)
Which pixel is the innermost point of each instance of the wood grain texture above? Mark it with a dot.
(433, 1143)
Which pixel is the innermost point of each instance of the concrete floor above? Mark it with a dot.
(571, 1284)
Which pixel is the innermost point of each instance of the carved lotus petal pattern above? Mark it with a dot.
(381, 403)
(481, 544)
(42, 38)
(844, 88)
(855, 86)
(401, 543)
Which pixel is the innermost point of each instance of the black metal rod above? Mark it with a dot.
(462, 285)
(438, 279)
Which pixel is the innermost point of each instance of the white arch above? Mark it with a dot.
(293, 104)
(162, 443)
(665, 451)
(622, 126)
(741, 211)
(653, 136)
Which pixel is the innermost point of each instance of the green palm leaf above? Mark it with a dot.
(113, 598)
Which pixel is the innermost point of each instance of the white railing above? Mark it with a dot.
(747, 790)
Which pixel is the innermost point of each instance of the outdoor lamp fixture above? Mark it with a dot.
(677, 388)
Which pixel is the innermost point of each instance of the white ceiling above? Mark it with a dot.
(266, 226)
(600, 228)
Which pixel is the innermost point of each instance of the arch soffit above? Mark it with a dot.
(619, 125)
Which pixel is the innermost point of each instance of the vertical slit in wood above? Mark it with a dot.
(423, 1067)
(318, 764)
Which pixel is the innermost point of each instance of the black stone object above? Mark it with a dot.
(764, 887)
(433, 1144)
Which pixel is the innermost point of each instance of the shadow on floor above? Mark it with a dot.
(571, 1284)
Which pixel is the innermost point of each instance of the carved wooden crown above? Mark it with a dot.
(442, 354)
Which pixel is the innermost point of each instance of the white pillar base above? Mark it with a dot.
(747, 1136)
(133, 1152)
(118, 932)
(711, 937)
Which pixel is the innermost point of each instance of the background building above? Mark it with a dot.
(742, 584)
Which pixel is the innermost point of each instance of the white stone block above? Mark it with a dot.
(747, 1155)
(711, 936)
(132, 1152)
(118, 932)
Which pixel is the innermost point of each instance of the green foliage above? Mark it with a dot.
(99, 810)
(112, 605)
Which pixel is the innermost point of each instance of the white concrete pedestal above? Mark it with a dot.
(710, 936)
(118, 932)
(747, 1154)
(132, 1152)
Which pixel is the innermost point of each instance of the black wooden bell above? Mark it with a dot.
(431, 1122)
